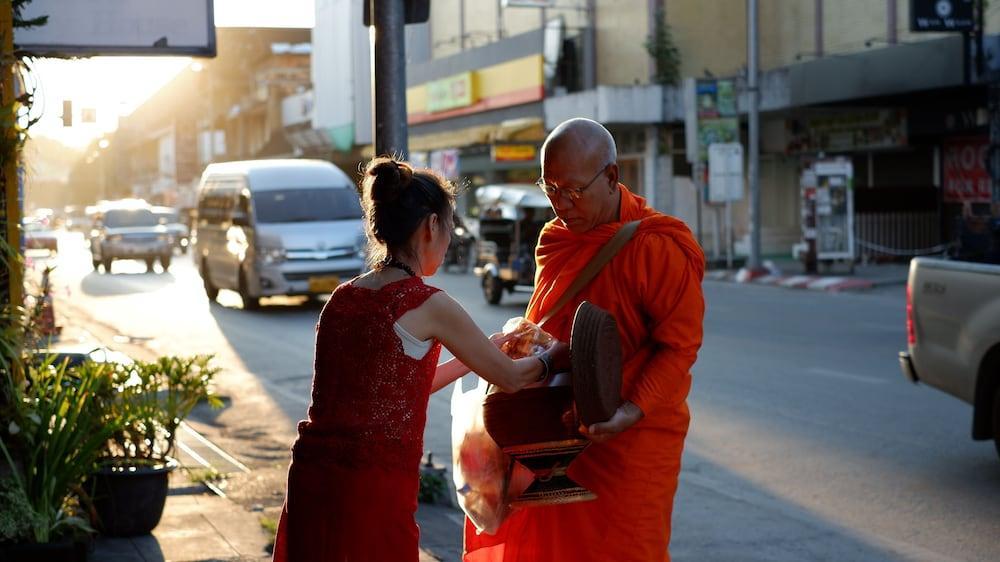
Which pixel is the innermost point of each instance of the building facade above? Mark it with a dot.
(845, 79)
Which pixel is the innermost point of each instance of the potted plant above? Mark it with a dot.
(54, 432)
(150, 400)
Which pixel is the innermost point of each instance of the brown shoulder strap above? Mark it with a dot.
(596, 264)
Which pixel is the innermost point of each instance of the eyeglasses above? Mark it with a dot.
(574, 193)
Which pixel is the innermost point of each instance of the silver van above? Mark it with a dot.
(277, 227)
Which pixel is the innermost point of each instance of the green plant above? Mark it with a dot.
(661, 47)
(15, 512)
(57, 431)
(433, 487)
(150, 400)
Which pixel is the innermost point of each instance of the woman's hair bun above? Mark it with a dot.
(388, 179)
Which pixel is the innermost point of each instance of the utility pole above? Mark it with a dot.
(389, 78)
(753, 96)
(12, 279)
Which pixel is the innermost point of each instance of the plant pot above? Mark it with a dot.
(59, 551)
(128, 499)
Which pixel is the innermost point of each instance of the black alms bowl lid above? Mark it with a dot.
(596, 355)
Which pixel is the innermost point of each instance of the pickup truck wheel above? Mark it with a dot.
(996, 418)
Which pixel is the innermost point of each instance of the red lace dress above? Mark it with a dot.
(354, 476)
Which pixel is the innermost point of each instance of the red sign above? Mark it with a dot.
(965, 170)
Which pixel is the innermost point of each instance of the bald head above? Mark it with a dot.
(586, 140)
(579, 160)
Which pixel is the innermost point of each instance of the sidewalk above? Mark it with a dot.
(788, 274)
(200, 526)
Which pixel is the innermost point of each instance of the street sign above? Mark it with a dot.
(942, 15)
(725, 172)
(417, 11)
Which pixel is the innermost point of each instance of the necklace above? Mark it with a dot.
(393, 262)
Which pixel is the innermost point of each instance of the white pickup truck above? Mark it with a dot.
(953, 332)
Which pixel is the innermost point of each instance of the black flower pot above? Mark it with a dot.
(129, 500)
(60, 551)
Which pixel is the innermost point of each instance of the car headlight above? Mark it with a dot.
(272, 255)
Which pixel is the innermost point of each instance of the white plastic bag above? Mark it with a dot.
(480, 467)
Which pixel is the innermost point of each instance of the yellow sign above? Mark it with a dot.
(514, 152)
(450, 93)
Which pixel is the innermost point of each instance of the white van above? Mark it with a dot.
(277, 227)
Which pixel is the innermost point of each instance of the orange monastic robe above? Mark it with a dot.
(653, 288)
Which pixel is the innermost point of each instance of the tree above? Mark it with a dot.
(660, 46)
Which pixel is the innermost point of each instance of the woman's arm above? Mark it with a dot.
(447, 373)
(450, 324)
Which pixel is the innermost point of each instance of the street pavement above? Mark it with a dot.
(805, 444)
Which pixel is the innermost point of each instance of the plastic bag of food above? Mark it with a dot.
(528, 340)
(480, 467)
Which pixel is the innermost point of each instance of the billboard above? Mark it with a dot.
(119, 27)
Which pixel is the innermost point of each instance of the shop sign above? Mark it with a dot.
(711, 115)
(450, 93)
(966, 178)
(445, 162)
(942, 15)
(514, 152)
(846, 132)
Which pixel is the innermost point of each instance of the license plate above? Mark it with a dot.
(323, 284)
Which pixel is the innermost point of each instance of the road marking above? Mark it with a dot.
(841, 375)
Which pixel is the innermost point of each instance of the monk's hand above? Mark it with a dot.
(559, 355)
(627, 415)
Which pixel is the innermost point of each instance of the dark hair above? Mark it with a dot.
(396, 198)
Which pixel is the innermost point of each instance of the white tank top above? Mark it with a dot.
(412, 347)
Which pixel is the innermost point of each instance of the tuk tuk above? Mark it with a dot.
(511, 217)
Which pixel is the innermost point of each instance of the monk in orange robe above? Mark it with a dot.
(653, 288)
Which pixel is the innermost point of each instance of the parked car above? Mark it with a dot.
(179, 233)
(277, 227)
(129, 232)
(40, 236)
(953, 332)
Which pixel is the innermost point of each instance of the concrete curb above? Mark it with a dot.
(826, 283)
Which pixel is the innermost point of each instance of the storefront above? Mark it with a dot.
(896, 203)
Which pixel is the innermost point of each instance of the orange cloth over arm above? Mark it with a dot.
(653, 288)
(674, 303)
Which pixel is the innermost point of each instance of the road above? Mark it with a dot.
(805, 444)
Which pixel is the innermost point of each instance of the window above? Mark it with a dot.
(306, 205)
(130, 218)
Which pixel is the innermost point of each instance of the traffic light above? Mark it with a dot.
(67, 116)
(417, 11)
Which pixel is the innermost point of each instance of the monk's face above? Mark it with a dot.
(588, 189)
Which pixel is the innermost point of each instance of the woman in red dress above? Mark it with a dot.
(354, 475)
